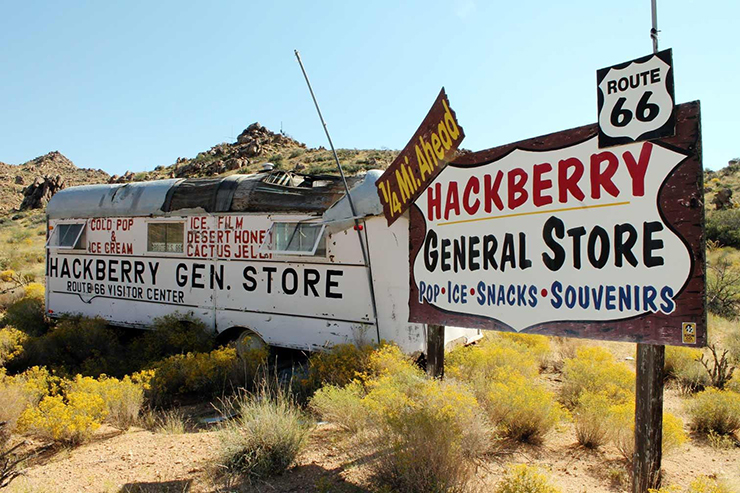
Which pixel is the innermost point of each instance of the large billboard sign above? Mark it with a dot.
(434, 144)
(554, 235)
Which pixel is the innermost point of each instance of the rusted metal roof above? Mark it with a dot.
(276, 191)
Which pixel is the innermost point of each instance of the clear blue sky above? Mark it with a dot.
(132, 85)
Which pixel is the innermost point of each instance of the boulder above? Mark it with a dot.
(37, 194)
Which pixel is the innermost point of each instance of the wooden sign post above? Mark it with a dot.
(436, 351)
(646, 461)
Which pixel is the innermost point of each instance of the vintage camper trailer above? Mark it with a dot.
(273, 255)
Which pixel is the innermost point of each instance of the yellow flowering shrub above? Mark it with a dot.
(339, 365)
(11, 344)
(426, 432)
(522, 478)
(211, 373)
(537, 346)
(7, 275)
(485, 360)
(521, 407)
(702, 484)
(595, 369)
(341, 405)
(622, 424)
(71, 418)
(715, 410)
(591, 419)
(34, 290)
(123, 398)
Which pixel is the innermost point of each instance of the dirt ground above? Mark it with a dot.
(142, 461)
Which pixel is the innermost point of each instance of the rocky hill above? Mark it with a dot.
(31, 184)
(257, 145)
(38, 179)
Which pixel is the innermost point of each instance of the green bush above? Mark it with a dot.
(715, 410)
(522, 409)
(266, 436)
(27, 315)
(682, 365)
(595, 369)
(76, 345)
(525, 479)
(723, 226)
(173, 334)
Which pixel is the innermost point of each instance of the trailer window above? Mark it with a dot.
(71, 236)
(295, 239)
(165, 237)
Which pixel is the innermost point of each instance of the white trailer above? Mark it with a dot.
(274, 255)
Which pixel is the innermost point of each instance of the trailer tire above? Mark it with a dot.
(248, 341)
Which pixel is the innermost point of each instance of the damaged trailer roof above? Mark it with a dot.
(275, 191)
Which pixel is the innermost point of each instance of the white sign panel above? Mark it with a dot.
(636, 100)
(569, 234)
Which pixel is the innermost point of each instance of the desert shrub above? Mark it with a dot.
(522, 409)
(169, 422)
(67, 419)
(12, 403)
(622, 418)
(591, 419)
(734, 383)
(705, 484)
(483, 361)
(123, 398)
(719, 368)
(723, 284)
(723, 226)
(11, 344)
(76, 345)
(388, 359)
(715, 410)
(427, 433)
(341, 405)
(266, 436)
(338, 366)
(595, 369)
(27, 313)
(525, 479)
(537, 346)
(682, 365)
(205, 373)
(173, 334)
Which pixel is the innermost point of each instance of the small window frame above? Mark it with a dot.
(76, 245)
(166, 250)
(268, 247)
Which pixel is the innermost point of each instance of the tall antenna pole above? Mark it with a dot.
(358, 226)
(650, 361)
(654, 31)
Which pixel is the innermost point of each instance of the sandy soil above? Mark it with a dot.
(142, 461)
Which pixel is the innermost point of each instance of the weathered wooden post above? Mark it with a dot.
(436, 351)
(646, 460)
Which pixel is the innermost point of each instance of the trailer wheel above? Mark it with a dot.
(247, 342)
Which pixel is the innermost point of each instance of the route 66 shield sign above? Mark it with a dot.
(636, 100)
